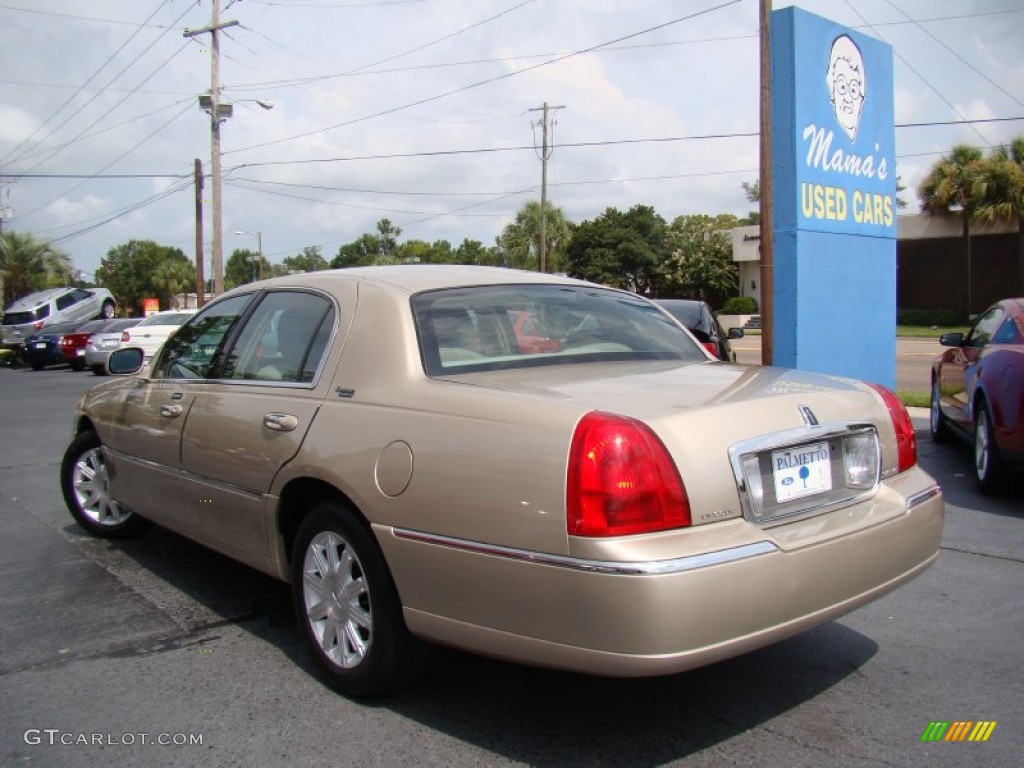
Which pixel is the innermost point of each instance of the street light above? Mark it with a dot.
(259, 240)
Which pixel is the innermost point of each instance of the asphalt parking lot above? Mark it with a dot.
(112, 649)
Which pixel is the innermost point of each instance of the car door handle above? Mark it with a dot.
(171, 410)
(280, 422)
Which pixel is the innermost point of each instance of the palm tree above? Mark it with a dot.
(173, 276)
(1004, 194)
(520, 240)
(956, 181)
(28, 264)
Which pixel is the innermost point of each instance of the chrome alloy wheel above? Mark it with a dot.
(983, 446)
(91, 486)
(337, 600)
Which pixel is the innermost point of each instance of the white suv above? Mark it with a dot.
(34, 312)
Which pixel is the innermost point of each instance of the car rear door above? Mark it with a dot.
(244, 426)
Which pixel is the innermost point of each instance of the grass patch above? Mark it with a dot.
(915, 398)
(927, 331)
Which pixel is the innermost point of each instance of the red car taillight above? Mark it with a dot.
(36, 326)
(906, 443)
(125, 337)
(621, 480)
(710, 347)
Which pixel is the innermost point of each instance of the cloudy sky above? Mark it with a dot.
(424, 111)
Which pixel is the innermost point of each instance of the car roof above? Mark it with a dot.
(35, 299)
(690, 309)
(414, 278)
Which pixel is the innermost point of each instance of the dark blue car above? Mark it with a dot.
(42, 348)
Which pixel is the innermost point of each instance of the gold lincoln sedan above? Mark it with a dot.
(600, 495)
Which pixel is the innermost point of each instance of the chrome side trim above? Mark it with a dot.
(922, 496)
(650, 568)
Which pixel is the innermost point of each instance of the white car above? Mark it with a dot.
(152, 332)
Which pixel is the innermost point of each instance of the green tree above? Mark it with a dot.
(176, 274)
(620, 249)
(28, 265)
(310, 260)
(128, 270)
(388, 239)
(1004, 193)
(242, 267)
(699, 264)
(359, 253)
(474, 252)
(519, 242)
(753, 194)
(956, 181)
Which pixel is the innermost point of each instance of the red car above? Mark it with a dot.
(978, 391)
(72, 345)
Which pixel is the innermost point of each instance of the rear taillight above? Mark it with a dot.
(37, 325)
(621, 480)
(906, 444)
(710, 347)
(125, 337)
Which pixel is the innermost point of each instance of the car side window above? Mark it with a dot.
(1009, 333)
(284, 339)
(65, 301)
(191, 352)
(984, 327)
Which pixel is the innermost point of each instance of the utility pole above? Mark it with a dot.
(6, 212)
(210, 102)
(200, 272)
(765, 183)
(544, 155)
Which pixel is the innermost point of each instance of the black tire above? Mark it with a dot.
(77, 365)
(936, 421)
(107, 313)
(358, 640)
(99, 370)
(37, 366)
(83, 480)
(988, 464)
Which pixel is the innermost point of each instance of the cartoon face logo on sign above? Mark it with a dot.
(847, 83)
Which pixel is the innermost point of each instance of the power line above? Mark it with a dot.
(72, 97)
(5, 7)
(911, 67)
(485, 150)
(487, 81)
(523, 56)
(960, 58)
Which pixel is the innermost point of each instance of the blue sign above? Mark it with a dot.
(842, 143)
(834, 184)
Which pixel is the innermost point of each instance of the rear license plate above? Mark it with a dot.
(802, 471)
(41, 345)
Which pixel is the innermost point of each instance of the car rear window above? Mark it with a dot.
(465, 330)
(173, 318)
(31, 316)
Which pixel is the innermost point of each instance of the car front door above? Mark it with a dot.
(245, 425)
(957, 375)
(145, 434)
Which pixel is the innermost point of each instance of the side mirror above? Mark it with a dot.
(952, 339)
(126, 361)
(735, 333)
